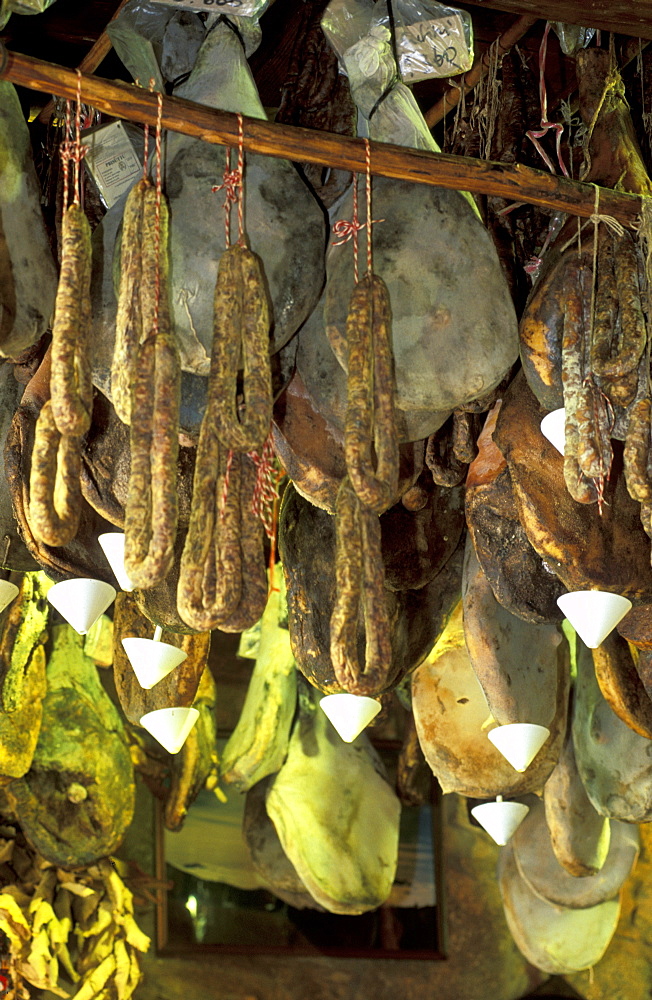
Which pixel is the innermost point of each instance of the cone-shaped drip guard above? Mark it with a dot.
(152, 660)
(350, 713)
(593, 613)
(519, 742)
(81, 601)
(8, 593)
(553, 427)
(500, 819)
(113, 545)
(170, 726)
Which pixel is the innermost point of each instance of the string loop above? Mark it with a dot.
(534, 135)
(72, 149)
(346, 229)
(233, 187)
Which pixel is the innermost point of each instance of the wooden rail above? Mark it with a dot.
(514, 182)
(625, 17)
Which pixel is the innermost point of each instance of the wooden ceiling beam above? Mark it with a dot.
(514, 182)
(626, 17)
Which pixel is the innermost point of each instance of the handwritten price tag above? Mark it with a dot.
(245, 8)
(433, 48)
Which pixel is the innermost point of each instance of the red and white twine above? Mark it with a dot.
(72, 149)
(233, 187)
(346, 229)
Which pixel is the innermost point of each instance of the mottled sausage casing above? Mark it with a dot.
(587, 451)
(637, 451)
(129, 316)
(241, 340)
(55, 492)
(619, 332)
(71, 387)
(222, 582)
(152, 504)
(359, 579)
(370, 419)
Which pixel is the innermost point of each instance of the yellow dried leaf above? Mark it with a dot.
(38, 961)
(64, 957)
(42, 913)
(96, 980)
(103, 919)
(84, 909)
(135, 937)
(135, 973)
(18, 893)
(63, 911)
(78, 888)
(122, 970)
(11, 913)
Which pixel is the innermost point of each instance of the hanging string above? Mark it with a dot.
(370, 221)
(347, 229)
(65, 155)
(145, 141)
(233, 187)
(72, 149)
(157, 216)
(240, 171)
(265, 492)
(533, 135)
(79, 150)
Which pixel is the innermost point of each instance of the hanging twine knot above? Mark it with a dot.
(233, 187)
(71, 152)
(345, 229)
(609, 221)
(266, 489)
(596, 218)
(231, 182)
(533, 265)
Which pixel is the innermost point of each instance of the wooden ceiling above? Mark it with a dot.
(64, 33)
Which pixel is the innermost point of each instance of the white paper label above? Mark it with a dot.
(433, 48)
(244, 8)
(112, 161)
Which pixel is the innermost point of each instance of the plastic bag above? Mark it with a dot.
(9, 7)
(242, 8)
(431, 40)
(572, 37)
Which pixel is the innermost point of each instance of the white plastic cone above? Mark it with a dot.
(553, 427)
(8, 592)
(593, 613)
(113, 544)
(81, 601)
(519, 742)
(350, 713)
(500, 819)
(152, 660)
(170, 726)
